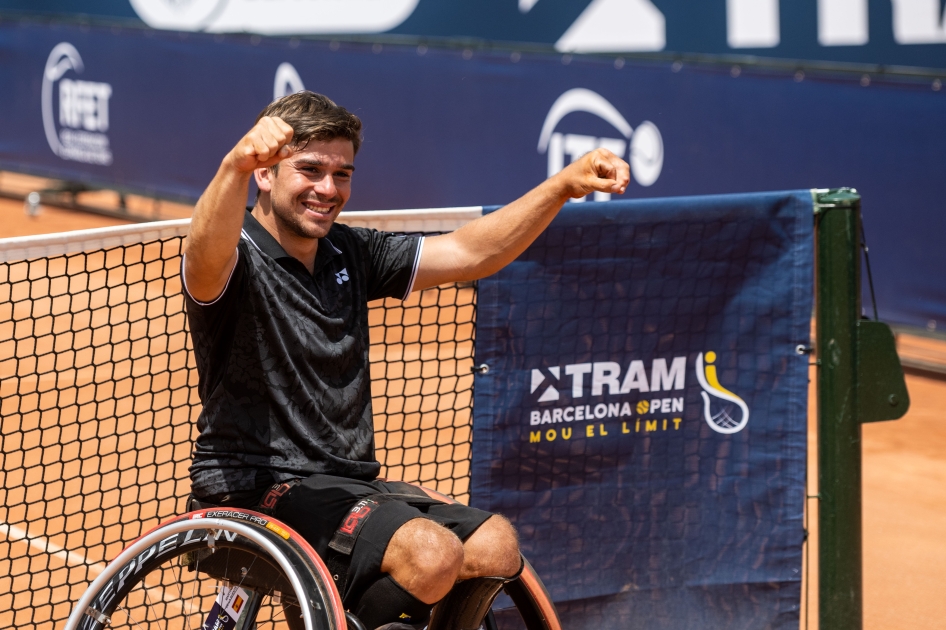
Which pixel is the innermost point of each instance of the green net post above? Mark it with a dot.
(860, 380)
(838, 282)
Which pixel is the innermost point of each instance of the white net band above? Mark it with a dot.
(48, 245)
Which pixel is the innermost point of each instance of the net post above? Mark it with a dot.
(838, 282)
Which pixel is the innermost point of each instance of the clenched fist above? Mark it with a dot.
(264, 145)
(597, 171)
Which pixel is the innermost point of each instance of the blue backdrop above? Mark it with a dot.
(155, 111)
(889, 32)
(643, 419)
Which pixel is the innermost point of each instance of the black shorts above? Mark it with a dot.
(316, 506)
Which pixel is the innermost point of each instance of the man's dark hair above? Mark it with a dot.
(315, 117)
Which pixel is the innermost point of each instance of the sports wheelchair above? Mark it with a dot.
(235, 569)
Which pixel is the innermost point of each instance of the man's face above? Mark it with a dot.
(311, 186)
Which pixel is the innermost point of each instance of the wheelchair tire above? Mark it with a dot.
(532, 601)
(169, 577)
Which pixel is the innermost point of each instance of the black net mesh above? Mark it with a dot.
(98, 404)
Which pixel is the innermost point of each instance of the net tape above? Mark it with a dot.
(98, 400)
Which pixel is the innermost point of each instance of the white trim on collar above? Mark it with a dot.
(243, 234)
(337, 250)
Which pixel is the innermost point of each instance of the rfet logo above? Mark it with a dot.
(78, 132)
(643, 146)
(724, 411)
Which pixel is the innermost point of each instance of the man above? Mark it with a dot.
(277, 303)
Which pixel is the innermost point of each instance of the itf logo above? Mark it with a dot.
(733, 413)
(78, 133)
(642, 146)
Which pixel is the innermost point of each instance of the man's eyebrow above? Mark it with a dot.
(315, 162)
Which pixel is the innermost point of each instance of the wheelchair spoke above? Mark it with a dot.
(148, 601)
(193, 589)
(129, 616)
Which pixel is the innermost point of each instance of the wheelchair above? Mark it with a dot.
(234, 569)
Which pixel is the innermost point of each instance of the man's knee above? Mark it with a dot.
(425, 558)
(492, 550)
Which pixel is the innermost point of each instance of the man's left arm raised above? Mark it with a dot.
(486, 245)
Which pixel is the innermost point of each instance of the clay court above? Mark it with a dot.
(904, 461)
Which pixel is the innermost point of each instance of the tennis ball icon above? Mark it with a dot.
(643, 407)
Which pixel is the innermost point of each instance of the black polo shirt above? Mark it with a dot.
(282, 357)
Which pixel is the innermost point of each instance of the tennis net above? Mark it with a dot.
(98, 397)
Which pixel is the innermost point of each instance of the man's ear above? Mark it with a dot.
(264, 179)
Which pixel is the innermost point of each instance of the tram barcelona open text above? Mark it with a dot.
(648, 400)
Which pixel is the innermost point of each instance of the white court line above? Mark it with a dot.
(70, 558)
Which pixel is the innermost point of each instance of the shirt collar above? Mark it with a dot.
(260, 237)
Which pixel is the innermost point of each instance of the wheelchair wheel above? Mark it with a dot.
(215, 568)
(532, 601)
(470, 605)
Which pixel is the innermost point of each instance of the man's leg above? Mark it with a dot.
(424, 559)
(316, 508)
(427, 559)
(491, 551)
(404, 560)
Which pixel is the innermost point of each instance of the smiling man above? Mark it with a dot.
(277, 300)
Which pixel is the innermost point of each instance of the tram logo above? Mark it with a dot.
(78, 133)
(724, 411)
(643, 147)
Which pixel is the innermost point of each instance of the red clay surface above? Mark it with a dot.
(904, 481)
(15, 222)
(905, 514)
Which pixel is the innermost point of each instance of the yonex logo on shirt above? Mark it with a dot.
(342, 276)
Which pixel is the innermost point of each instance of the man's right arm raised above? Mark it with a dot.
(218, 216)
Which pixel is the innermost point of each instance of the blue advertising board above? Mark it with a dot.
(888, 32)
(643, 419)
(156, 111)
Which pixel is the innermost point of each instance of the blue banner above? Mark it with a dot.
(889, 32)
(155, 112)
(643, 419)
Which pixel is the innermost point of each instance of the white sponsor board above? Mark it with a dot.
(275, 17)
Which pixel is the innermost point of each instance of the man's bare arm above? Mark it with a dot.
(486, 245)
(218, 217)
